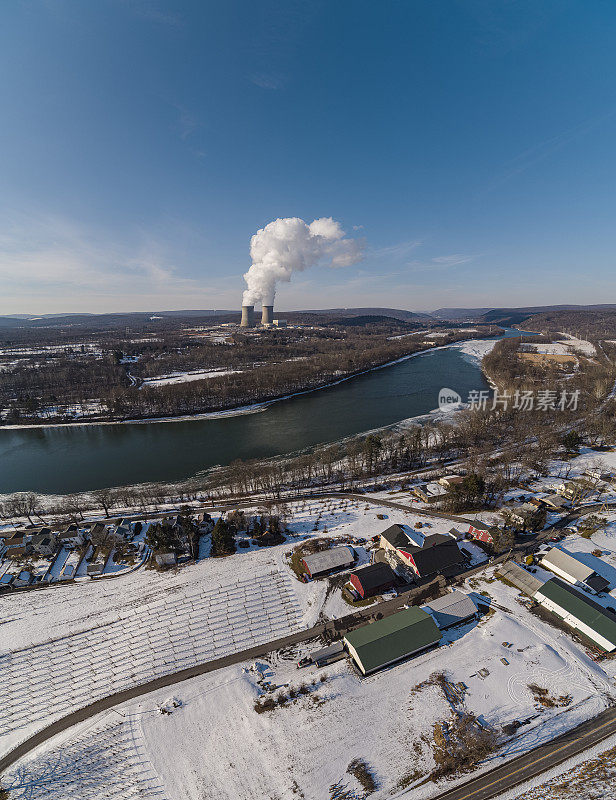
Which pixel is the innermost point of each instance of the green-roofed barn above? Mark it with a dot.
(388, 640)
(579, 611)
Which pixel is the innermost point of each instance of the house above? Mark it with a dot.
(327, 561)
(426, 555)
(522, 516)
(573, 570)
(98, 532)
(18, 552)
(519, 577)
(44, 543)
(570, 490)
(429, 492)
(451, 609)
(71, 537)
(392, 639)
(598, 474)
(580, 612)
(373, 579)
(481, 532)
(556, 502)
(451, 480)
(121, 533)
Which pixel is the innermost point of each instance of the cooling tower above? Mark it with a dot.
(248, 317)
(267, 315)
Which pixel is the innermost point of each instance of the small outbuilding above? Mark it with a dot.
(451, 609)
(374, 579)
(327, 561)
(519, 577)
(392, 639)
(328, 655)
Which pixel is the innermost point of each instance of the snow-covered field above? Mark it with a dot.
(186, 377)
(216, 744)
(64, 646)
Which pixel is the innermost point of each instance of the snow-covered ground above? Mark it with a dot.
(187, 377)
(66, 646)
(579, 344)
(476, 349)
(105, 635)
(591, 775)
(216, 744)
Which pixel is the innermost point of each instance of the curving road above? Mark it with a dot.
(481, 788)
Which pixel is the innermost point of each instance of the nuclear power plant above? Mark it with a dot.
(248, 317)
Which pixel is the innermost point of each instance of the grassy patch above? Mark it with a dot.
(361, 771)
(542, 697)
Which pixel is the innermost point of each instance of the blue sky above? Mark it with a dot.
(143, 142)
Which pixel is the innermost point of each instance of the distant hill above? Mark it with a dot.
(510, 316)
(375, 319)
(459, 313)
(396, 313)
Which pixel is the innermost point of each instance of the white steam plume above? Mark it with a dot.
(290, 245)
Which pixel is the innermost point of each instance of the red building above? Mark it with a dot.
(374, 579)
(481, 532)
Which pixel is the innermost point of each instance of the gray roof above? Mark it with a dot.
(520, 578)
(567, 563)
(451, 608)
(555, 500)
(326, 560)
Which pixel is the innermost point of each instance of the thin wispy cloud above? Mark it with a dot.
(267, 80)
(440, 262)
(543, 150)
(396, 251)
(452, 260)
(148, 10)
(53, 252)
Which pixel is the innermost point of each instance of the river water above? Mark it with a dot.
(73, 459)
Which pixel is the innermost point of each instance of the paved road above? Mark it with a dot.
(499, 780)
(333, 628)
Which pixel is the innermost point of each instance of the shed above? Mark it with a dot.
(573, 570)
(391, 639)
(520, 578)
(328, 655)
(579, 612)
(329, 561)
(376, 578)
(451, 609)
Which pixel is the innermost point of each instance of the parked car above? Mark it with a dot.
(304, 662)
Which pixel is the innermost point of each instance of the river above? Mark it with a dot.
(60, 460)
